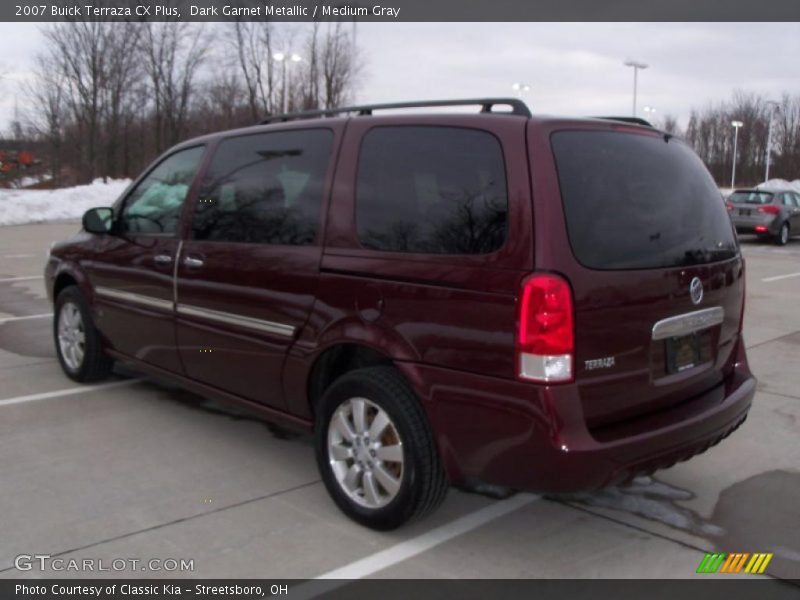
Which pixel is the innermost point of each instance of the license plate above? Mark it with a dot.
(743, 212)
(682, 353)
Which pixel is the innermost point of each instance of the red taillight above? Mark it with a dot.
(770, 209)
(729, 206)
(546, 329)
(761, 229)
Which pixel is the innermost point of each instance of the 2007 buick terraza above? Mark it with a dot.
(540, 303)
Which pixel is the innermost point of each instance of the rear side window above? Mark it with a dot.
(638, 201)
(750, 198)
(437, 190)
(265, 188)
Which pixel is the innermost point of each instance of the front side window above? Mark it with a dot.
(154, 205)
(265, 188)
(436, 190)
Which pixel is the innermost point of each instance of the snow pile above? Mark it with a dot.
(780, 184)
(38, 206)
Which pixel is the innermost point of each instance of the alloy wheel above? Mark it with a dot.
(365, 453)
(71, 336)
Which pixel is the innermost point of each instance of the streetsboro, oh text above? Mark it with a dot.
(292, 11)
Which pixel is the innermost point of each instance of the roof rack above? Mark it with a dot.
(518, 107)
(634, 120)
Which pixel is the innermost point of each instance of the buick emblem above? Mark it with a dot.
(696, 290)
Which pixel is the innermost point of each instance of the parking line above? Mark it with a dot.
(27, 278)
(778, 277)
(41, 316)
(422, 543)
(68, 392)
(16, 256)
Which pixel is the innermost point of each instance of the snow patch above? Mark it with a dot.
(39, 206)
(780, 185)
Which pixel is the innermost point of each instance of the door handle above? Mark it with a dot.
(192, 263)
(162, 259)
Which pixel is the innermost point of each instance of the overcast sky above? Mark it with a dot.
(572, 68)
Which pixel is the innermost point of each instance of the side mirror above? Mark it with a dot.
(98, 220)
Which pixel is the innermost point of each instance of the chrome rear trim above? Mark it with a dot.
(688, 323)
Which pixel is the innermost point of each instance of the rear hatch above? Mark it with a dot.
(646, 225)
(746, 206)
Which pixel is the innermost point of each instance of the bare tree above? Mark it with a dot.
(108, 97)
(253, 44)
(340, 65)
(123, 82)
(670, 124)
(174, 52)
(79, 52)
(309, 86)
(47, 93)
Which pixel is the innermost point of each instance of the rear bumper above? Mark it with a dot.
(749, 224)
(535, 438)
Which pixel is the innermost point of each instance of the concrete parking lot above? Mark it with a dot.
(138, 469)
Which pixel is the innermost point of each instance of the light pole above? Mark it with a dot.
(774, 107)
(520, 88)
(649, 111)
(736, 125)
(636, 66)
(284, 58)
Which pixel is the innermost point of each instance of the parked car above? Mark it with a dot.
(770, 214)
(548, 304)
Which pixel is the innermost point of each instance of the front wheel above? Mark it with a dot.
(783, 235)
(375, 450)
(78, 344)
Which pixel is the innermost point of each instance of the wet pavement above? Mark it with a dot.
(151, 471)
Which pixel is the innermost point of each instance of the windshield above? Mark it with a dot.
(639, 201)
(750, 198)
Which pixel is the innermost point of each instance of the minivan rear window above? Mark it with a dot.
(639, 201)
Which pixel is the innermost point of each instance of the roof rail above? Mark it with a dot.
(518, 107)
(634, 120)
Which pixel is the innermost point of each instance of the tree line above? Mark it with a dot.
(712, 135)
(107, 98)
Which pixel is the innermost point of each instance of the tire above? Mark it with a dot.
(422, 482)
(783, 235)
(78, 345)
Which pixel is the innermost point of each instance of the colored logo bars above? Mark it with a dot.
(733, 563)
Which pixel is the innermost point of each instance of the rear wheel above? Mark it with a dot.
(375, 450)
(78, 344)
(783, 235)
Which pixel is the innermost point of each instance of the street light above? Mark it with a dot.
(649, 111)
(736, 125)
(520, 88)
(636, 66)
(774, 107)
(285, 58)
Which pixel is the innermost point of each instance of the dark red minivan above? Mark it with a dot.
(540, 303)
